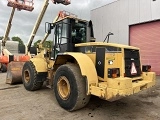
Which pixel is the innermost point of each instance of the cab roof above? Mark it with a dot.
(71, 17)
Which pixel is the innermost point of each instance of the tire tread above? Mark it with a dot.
(35, 85)
(80, 82)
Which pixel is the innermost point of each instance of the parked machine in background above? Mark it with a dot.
(7, 56)
(14, 72)
(21, 4)
(81, 68)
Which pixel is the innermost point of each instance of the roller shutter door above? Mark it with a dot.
(147, 37)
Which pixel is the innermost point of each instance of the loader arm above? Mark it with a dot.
(39, 20)
(37, 24)
(8, 28)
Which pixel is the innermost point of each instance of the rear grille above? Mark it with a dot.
(131, 57)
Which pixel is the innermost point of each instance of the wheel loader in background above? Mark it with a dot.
(14, 71)
(6, 55)
(81, 68)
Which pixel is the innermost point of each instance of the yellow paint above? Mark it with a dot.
(106, 88)
(86, 65)
(40, 64)
(115, 89)
(106, 44)
(98, 91)
(149, 76)
(119, 83)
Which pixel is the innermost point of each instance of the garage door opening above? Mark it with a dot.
(146, 36)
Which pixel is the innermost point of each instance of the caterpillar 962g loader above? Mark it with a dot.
(81, 68)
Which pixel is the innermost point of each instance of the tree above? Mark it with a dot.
(18, 39)
(35, 44)
(1, 37)
(46, 44)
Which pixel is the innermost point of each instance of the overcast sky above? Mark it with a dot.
(24, 21)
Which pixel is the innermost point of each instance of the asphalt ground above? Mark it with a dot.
(18, 104)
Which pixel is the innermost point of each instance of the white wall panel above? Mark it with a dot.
(134, 14)
(96, 19)
(110, 23)
(106, 21)
(11, 46)
(99, 23)
(155, 6)
(145, 10)
(123, 21)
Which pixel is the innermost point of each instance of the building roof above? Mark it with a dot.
(110, 2)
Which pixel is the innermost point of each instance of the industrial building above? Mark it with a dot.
(133, 22)
(11, 46)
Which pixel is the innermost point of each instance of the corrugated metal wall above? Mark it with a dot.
(117, 16)
(12, 46)
(147, 38)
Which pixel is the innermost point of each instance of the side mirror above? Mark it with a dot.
(49, 27)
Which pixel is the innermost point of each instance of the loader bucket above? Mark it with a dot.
(14, 72)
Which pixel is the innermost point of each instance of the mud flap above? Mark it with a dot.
(14, 72)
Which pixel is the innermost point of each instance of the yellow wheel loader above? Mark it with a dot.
(76, 68)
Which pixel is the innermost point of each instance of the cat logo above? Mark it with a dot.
(133, 69)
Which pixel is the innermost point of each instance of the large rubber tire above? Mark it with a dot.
(30, 79)
(3, 68)
(77, 97)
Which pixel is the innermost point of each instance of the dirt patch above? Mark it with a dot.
(150, 93)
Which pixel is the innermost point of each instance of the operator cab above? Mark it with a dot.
(68, 32)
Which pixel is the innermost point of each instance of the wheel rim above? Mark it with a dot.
(26, 76)
(63, 87)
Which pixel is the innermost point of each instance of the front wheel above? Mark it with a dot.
(70, 87)
(30, 78)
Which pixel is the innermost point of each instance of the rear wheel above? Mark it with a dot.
(30, 79)
(70, 87)
(3, 68)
